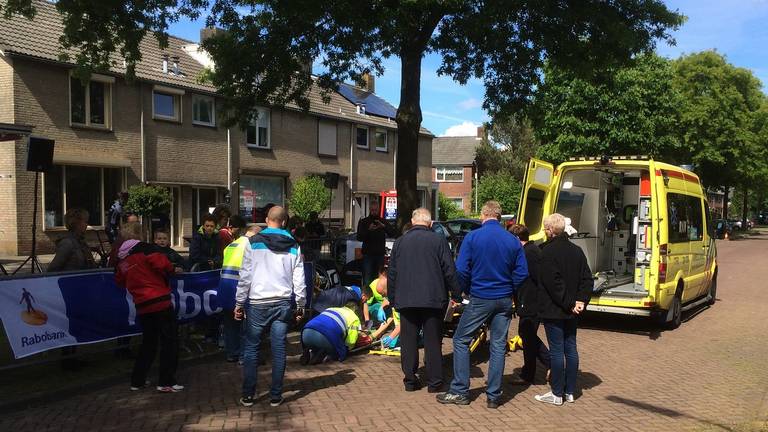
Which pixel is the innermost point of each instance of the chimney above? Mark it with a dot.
(208, 32)
(369, 82)
(175, 69)
(165, 63)
(306, 65)
(480, 133)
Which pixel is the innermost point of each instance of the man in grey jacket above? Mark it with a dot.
(72, 253)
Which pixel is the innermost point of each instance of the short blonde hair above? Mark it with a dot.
(421, 215)
(277, 214)
(73, 216)
(491, 209)
(131, 231)
(555, 223)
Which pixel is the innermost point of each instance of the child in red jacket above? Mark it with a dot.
(143, 270)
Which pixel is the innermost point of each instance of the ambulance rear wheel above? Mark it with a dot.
(675, 311)
(712, 291)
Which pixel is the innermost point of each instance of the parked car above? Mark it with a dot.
(453, 239)
(722, 228)
(735, 223)
(463, 226)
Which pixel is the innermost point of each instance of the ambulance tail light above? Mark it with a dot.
(662, 272)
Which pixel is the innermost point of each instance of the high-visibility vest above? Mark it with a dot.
(230, 271)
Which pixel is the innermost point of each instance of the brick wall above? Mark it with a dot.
(175, 153)
(8, 229)
(458, 189)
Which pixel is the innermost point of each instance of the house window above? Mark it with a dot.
(257, 133)
(203, 110)
(166, 103)
(90, 104)
(361, 136)
(258, 191)
(449, 174)
(90, 188)
(459, 202)
(380, 140)
(326, 138)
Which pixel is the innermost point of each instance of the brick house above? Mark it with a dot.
(453, 167)
(162, 128)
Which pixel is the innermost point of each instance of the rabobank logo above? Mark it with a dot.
(31, 315)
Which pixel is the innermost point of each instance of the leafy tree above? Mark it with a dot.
(259, 58)
(502, 187)
(627, 111)
(508, 149)
(148, 200)
(448, 209)
(308, 195)
(721, 121)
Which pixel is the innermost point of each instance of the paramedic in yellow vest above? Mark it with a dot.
(332, 333)
(230, 275)
(375, 304)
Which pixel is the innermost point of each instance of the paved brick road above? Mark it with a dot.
(709, 374)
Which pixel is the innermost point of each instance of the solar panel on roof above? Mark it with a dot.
(373, 104)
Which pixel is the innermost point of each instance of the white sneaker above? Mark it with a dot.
(170, 389)
(569, 398)
(550, 399)
(146, 384)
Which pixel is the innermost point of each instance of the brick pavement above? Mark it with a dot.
(708, 375)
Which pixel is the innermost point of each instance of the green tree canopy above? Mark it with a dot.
(259, 58)
(508, 149)
(629, 110)
(719, 117)
(308, 195)
(501, 187)
(148, 200)
(447, 209)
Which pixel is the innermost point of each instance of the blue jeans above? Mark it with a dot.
(275, 317)
(371, 264)
(234, 338)
(564, 358)
(314, 340)
(498, 313)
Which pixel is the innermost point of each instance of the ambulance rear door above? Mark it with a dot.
(537, 183)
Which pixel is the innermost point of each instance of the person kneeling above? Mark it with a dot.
(332, 333)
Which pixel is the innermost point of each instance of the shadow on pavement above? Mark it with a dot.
(641, 326)
(306, 387)
(667, 412)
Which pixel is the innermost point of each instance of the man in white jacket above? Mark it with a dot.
(271, 274)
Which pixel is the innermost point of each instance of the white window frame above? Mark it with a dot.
(255, 123)
(212, 101)
(460, 204)
(108, 82)
(386, 140)
(177, 95)
(104, 204)
(367, 137)
(443, 170)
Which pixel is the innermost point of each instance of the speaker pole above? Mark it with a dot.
(34, 263)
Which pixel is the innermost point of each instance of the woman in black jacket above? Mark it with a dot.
(567, 282)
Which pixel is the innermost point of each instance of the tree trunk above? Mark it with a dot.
(745, 208)
(408, 125)
(726, 188)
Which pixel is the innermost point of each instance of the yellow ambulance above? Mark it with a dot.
(643, 225)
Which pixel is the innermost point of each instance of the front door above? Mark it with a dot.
(359, 208)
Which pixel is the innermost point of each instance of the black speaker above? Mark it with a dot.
(331, 180)
(40, 154)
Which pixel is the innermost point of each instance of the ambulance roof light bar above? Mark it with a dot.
(604, 159)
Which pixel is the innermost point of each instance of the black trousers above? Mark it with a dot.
(430, 321)
(159, 328)
(533, 347)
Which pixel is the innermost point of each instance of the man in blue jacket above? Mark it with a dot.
(490, 267)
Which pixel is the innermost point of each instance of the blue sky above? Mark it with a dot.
(736, 28)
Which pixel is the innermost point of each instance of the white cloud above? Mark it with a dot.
(467, 128)
(469, 104)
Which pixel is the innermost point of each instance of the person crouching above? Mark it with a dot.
(143, 270)
(332, 333)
